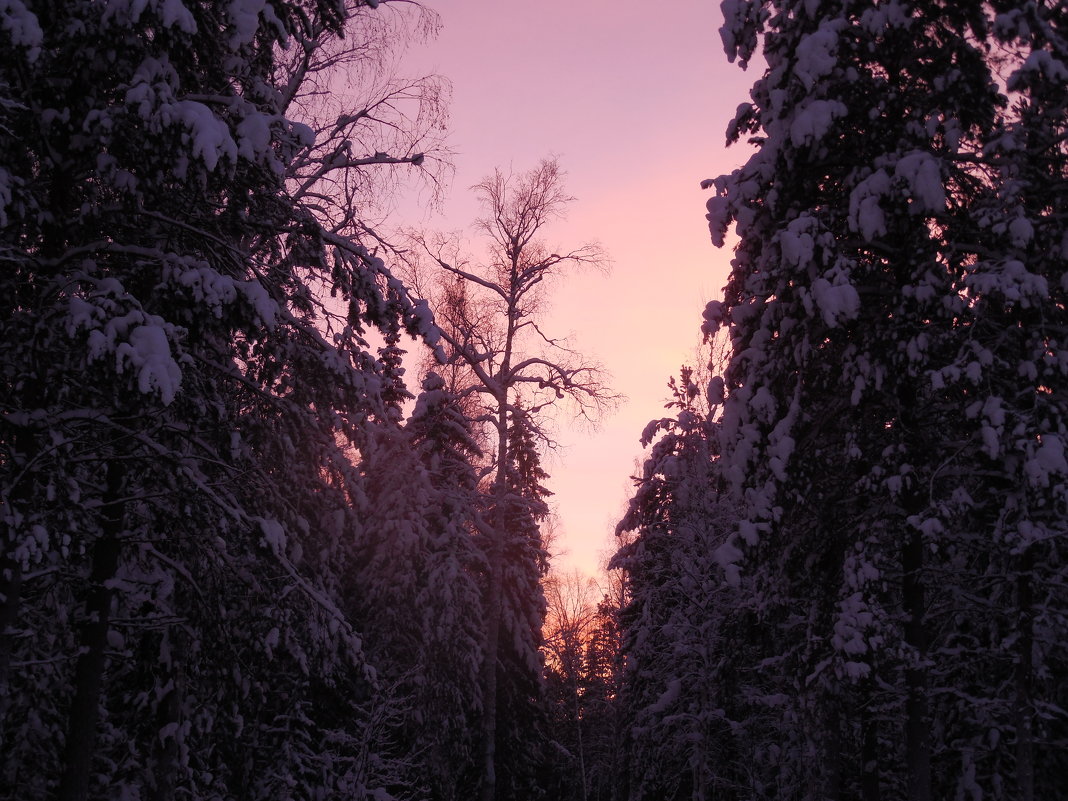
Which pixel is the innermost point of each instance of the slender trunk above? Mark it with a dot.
(165, 758)
(917, 730)
(832, 755)
(494, 602)
(869, 752)
(10, 596)
(495, 588)
(10, 591)
(700, 760)
(489, 677)
(89, 672)
(1025, 757)
(10, 568)
(578, 736)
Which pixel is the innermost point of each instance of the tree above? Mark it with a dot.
(865, 395)
(1017, 315)
(830, 337)
(372, 125)
(415, 577)
(518, 374)
(677, 733)
(582, 643)
(450, 603)
(179, 414)
(601, 707)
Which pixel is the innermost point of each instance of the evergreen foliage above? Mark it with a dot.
(675, 739)
(180, 407)
(888, 428)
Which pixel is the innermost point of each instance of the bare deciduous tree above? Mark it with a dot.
(366, 118)
(517, 372)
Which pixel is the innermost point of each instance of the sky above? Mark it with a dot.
(633, 99)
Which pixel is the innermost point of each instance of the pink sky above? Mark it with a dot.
(633, 98)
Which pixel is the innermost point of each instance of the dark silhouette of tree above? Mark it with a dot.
(888, 427)
(518, 374)
(180, 414)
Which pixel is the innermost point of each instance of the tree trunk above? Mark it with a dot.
(489, 676)
(165, 757)
(869, 753)
(1024, 713)
(578, 736)
(832, 755)
(10, 570)
(917, 731)
(89, 672)
(494, 602)
(10, 594)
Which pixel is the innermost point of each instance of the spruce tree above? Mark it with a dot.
(848, 293)
(675, 729)
(179, 408)
(450, 601)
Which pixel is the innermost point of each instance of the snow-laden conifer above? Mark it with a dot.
(888, 410)
(179, 409)
(677, 735)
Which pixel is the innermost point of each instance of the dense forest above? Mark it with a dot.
(275, 519)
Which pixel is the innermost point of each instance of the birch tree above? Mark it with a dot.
(518, 374)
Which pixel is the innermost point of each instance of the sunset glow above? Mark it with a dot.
(634, 100)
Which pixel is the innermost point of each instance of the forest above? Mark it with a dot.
(274, 492)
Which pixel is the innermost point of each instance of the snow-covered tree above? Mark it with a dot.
(1010, 382)
(451, 602)
(675, 727)
(893, 459)
(415, 586)
(179, 405)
